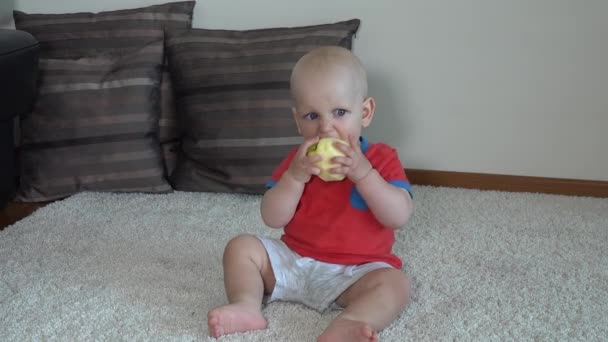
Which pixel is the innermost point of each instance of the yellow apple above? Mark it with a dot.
(326, 149)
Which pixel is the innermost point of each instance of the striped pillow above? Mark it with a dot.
(78, 35)
(93, 127)
(233, 101)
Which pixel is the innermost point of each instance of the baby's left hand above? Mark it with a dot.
(354, 163)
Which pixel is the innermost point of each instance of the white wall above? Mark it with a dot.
(512, 87)
(6, 8)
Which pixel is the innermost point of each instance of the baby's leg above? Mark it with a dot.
(370, 305)
(247, 276)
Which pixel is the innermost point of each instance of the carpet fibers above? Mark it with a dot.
(484, 266)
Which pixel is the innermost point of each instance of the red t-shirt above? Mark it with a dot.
(333, 224)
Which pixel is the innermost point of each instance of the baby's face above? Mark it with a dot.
(329, 105)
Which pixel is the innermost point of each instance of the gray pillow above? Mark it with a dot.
(115, 33)
(233, 102)
(94, 127)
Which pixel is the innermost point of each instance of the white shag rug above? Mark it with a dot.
(484, 266)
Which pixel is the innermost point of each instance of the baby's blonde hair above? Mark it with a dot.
(331, 58)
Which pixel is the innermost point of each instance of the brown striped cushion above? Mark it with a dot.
(78, 35)
(93, 127)
(233, 102)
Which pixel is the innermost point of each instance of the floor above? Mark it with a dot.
(15, 211)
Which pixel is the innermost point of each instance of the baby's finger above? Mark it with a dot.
(342, 160)
(339, 170)
(314, 159)
(354, 141)
(307, 143)
(314, 170)
(344, 148)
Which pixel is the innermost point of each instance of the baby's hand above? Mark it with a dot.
(302, 167)
(354, 163)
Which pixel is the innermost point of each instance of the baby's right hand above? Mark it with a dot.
(302, 167)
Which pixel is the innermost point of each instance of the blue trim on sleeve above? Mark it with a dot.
(404, 185)
(364, 144)
(270, 184)
(356, 200)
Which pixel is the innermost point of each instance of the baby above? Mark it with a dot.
(335, 251)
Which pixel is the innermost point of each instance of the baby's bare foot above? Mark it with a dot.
(233, 318)
(342, 329)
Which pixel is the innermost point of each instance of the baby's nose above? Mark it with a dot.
(326, 125)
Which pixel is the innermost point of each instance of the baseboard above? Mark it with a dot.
(15, 211)
(482, 181)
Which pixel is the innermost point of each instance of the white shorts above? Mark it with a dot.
(308, 281)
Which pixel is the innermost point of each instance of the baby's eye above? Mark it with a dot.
(311, 116)
(340, 112)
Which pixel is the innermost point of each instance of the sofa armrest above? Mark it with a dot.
(19, 70)
(18, 84)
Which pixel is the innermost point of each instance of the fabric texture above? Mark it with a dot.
(233, 101)
(333, 223)
(93, 127)
(314, 283)
(115, 33)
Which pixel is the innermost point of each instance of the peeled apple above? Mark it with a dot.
(326, 149)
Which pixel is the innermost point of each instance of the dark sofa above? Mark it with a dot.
(18, 72)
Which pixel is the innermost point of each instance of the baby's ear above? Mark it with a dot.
(369, 107)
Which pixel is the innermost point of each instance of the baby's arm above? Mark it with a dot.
(279, 202)
(392, 206)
